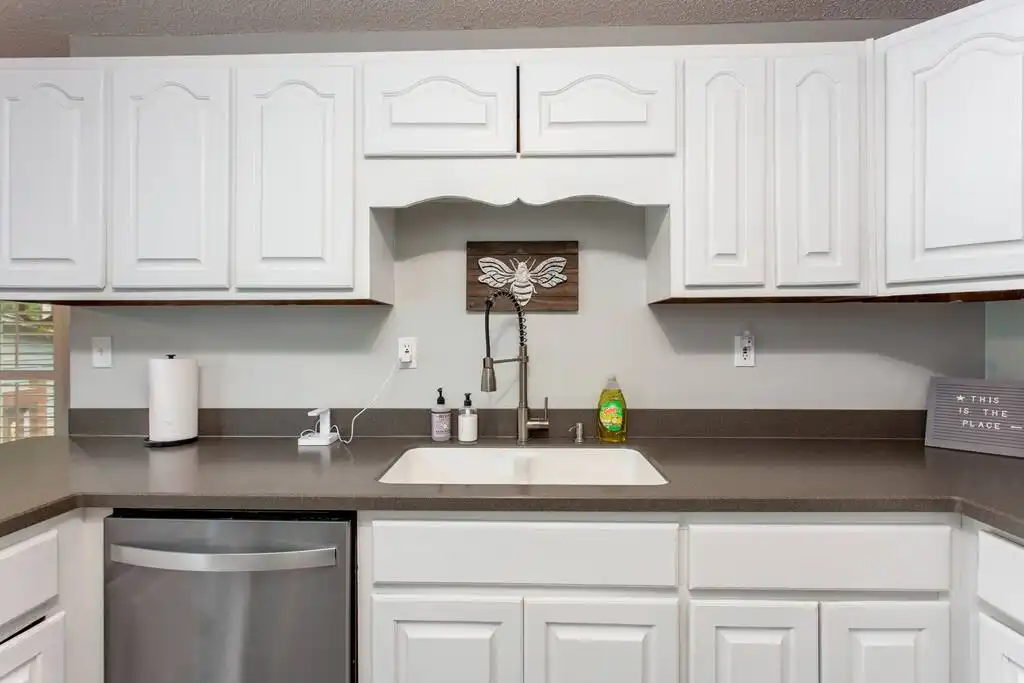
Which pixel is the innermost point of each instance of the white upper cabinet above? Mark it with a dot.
(1000, 653)
(725, 119)
(733, 641)
(617, 108)
(885, 642)
(424, 639)
(51, 179)
(953, 144)
(602, 640)
(171, 177)
(437, 109)
(294, 197)
(818, 133)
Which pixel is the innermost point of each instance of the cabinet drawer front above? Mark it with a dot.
(867, 557)
(524, 553)
(28, 575)
(35, 656)
(439, 109)
(625, 108)
(1000, 574)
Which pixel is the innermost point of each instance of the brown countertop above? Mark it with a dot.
(40, 478)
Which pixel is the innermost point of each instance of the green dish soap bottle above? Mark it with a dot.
(611, 413)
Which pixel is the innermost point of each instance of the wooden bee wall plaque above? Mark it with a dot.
(542, 276)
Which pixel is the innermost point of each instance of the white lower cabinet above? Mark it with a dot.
(885, 642)
(35, 656)
(753, 641)
(602, 640)
(747, 641)
(1000, 652)
(493, 639)
(421, 639)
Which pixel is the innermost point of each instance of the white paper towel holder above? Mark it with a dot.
(170, 444)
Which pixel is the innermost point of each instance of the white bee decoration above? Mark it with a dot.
(521, 277)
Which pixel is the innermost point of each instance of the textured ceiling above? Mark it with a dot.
(41, 27)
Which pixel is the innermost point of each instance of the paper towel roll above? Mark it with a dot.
(173, 400)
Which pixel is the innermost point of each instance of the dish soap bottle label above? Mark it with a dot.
(612, 415)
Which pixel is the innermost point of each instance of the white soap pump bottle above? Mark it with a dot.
(467, 421)
(440, 419)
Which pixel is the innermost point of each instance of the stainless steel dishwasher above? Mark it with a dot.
(228, 598)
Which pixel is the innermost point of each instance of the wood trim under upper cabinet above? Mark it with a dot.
(952, 297)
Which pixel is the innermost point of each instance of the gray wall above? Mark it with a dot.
(679, 356)
(796, 31)
(1005, 340)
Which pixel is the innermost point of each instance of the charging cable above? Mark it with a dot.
(373, 401)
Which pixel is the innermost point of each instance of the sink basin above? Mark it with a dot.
(524, 465)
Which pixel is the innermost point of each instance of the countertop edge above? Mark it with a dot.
(937, 504)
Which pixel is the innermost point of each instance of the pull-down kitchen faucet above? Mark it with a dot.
(524, 423)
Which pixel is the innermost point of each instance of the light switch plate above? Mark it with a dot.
(102, 352)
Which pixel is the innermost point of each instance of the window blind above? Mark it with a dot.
(28, 370)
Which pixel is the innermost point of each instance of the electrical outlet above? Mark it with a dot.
(102, 352)
(407, 353)
(743, 350)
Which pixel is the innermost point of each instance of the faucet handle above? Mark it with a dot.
(545, 407)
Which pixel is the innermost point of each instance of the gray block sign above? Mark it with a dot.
(977, 415)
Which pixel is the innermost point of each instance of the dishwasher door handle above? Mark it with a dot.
(174, 560)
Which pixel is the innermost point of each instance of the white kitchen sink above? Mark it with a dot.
(523, 465)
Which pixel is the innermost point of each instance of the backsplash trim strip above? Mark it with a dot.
(390, 422)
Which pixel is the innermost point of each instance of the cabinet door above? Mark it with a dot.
(171, 175)
(885, 642)
(51, 179)
(439, 109)
(608, 109)
(294, 163)
(725, 173)
(818, 170)
(954, 146)
(607, 640)
(747, 641)
(422, 639)
(35, 656)
(1000, 652)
